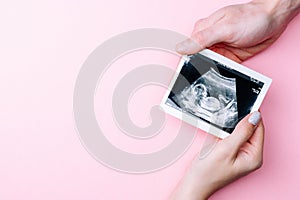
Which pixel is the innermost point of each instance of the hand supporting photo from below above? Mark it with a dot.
(214, 93)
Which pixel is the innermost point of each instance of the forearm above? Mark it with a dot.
(281, 10)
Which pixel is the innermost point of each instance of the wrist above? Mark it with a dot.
(192, 188)
(199, 184)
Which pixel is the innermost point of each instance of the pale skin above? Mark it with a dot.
(237, 32)
(227, 160)
(241, 31)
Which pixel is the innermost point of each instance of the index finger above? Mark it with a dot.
(257, 139)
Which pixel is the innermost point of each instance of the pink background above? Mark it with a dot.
(42, 47)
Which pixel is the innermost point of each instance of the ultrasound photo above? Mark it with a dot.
(211, 97)
(213, 92)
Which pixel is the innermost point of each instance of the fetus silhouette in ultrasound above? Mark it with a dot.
(211, 97)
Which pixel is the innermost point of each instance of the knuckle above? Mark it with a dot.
(259, 164)
(256, 164)
(199, 38)
(198, 24)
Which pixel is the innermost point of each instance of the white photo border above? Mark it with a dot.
(197, 122)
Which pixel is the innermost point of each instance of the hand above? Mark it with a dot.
(225, 161)
(240, 31)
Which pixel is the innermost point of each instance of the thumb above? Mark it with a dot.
(243, 131)
(200, 40)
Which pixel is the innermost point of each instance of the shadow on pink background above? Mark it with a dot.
(43, 45)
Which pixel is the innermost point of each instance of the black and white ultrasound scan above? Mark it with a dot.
(215, 92)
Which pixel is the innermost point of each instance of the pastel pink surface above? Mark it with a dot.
(44, 44)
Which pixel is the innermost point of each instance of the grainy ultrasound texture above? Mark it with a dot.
(211, 97)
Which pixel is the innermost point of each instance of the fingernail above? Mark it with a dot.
(254, 118)
(188, 46)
